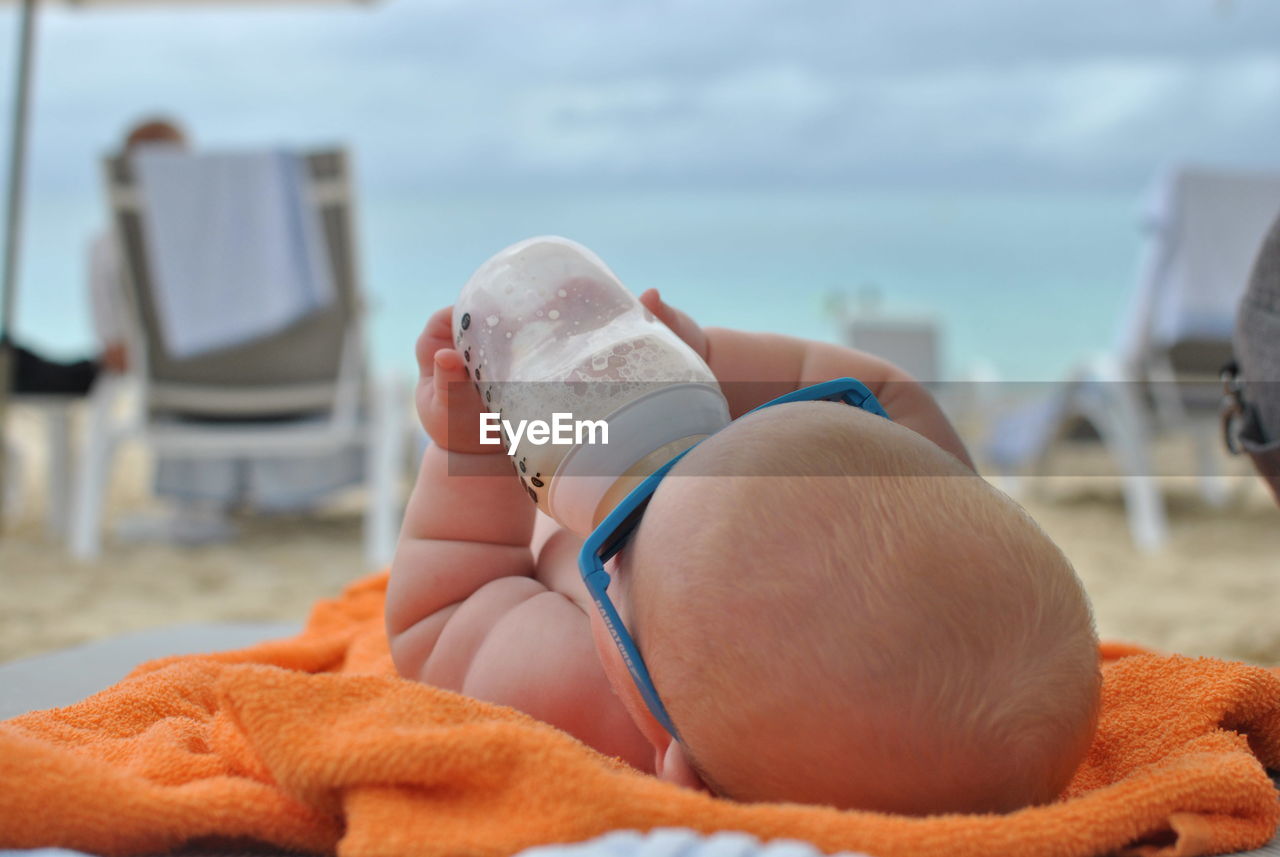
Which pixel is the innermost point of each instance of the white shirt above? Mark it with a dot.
(106, 296)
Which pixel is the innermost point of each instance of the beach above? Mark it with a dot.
(1212, 591)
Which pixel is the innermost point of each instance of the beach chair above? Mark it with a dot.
(304, 389)
(915, 344)
(911, 344)
(55, 412)
(1161, 378)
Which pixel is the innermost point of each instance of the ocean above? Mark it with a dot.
(1022, 285)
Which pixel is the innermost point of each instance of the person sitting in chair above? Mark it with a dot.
(35, 373)
(1253, 382)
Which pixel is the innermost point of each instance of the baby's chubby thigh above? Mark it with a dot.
(539, 658)
(544, 527)
(465, 646)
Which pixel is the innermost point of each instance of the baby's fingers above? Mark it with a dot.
(452, 405)
(453, 397)
(450, 380)
(680, 323)
(432, 397)
(436, 335)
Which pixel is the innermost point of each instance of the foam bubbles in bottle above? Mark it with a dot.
(546, 328)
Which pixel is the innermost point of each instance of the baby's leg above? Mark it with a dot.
(544, 527)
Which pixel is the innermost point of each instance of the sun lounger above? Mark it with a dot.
(63, 677)
(54, 412)
(300, 389)
(1162, 375)
(911, 344)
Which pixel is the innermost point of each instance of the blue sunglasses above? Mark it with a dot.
(612, 533)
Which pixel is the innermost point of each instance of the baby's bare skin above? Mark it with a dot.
(480, 604)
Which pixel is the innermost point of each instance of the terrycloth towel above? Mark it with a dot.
(311, 744)
(234, 247)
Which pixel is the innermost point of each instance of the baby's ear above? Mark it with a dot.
(673, 766)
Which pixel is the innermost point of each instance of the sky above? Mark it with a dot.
(1055, 94)
(1069, 108)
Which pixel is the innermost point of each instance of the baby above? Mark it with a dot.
(834, 608)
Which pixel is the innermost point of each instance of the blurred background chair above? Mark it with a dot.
(915, 343)
(246, 340)
(49, 391)
(1162, 378)
(911, 343)
(55, 412)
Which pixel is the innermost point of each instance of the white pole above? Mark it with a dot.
(13, 219)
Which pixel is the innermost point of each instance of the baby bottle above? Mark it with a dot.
(550, 335)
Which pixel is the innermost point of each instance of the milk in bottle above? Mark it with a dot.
(546, 328)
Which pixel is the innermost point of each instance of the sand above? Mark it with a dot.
(1215, 590)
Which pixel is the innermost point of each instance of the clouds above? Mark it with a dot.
(687, 91)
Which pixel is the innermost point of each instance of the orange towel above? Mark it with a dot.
(312, 744)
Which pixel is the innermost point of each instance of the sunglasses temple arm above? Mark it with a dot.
(631, 657)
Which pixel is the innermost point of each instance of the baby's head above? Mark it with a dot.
(854, 619)
(156, 130)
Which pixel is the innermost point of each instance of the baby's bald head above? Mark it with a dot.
(836, 611)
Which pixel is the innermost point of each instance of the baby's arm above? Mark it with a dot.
(468, 521)
(468, 607)
(756, 367)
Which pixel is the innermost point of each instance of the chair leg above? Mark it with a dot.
(1145, 507)
(1015, 485)
(58, 423)
(14, 493)
(1215, 485)
(1144, 501)
(93, 477)
(383, 451)
(1115, 412)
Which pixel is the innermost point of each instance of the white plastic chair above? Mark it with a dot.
(54, 411)
(1204, 231)
(301, 391)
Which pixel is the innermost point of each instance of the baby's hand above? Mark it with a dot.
(680, 323)
(448, 402)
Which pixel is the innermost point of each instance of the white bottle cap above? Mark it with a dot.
(636, 430)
